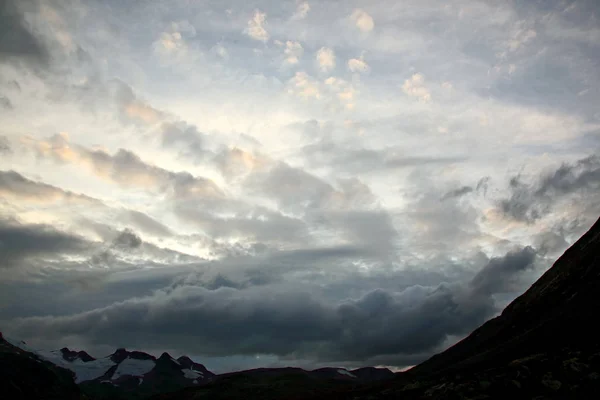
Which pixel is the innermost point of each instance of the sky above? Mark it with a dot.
(306, 183)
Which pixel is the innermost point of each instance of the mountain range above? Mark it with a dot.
(544, 345)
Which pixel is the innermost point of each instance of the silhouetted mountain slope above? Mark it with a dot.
(23, 375)
(558, 311)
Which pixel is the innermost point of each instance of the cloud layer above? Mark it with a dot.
(291, 183)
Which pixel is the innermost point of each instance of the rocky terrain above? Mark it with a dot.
(24, 375)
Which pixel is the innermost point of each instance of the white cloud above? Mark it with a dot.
(326, 59)
(358, 65)
(221, 51)
(293, 51)
(256, 29)
(520, 38)
(170, 44)
(301, 11)
(362, 20)
(415, 87)
(304, 86)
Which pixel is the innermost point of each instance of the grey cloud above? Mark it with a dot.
(127, 239)
(248, 223)
(17, 42)
(186, 138)
(19, 242)
(279, 319)
(293, 187)
(15, 185)
(496, 275)
(481, 186)
(127, 169)
(4, 145)
(373, 231)
(5, 103)
(550, 242)
(457, 192)
(146, 223)
(531, 202)
(361, 160)
(131, 108)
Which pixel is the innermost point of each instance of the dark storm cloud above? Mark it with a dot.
(529, 203)
(281, 319)
(17, 42)
(19, 242)
(496, 276)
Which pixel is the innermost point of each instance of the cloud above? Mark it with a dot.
(4, 145)
(19, 242)
(276, 318)
(358, 65)
(18, 188)
(481, 186)
(301, 11)
(17, 42)
(457, 192)
(531, 202)
(126, 169)
(293, 51)
(497, 275)
(146, 223)
(256, 29)
(186, 138)
(5, 103)
(415, 87)
(326, 59)
(127, 239)
(170, 43)
(362, 20)
(304, 86)
(133, 109)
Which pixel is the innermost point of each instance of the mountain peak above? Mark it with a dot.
(71, 355)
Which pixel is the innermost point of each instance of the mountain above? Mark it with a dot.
(123, 374)
(25, 375)
(280, 383)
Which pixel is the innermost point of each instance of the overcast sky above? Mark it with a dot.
(307, 183)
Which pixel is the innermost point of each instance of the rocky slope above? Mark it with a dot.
(124, 374)
(24, 375)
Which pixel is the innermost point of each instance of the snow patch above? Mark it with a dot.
(133, 367)
(191, 374)
(195, 382)
(140, 382)
(84, 371)
(344, 372)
